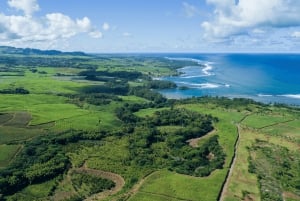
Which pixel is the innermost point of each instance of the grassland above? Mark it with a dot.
(172, 186)
(273, 128)
(7, 153)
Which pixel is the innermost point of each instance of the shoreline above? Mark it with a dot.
(196, 83)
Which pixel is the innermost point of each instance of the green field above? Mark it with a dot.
(166, 185)
(7, 153)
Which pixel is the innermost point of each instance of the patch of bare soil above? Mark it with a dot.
(195, 141)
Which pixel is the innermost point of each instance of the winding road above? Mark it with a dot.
(117, 179)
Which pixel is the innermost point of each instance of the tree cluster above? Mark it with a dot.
(154, 148)
(19, 90)
(92, 98)
(42, 159)
(160, 84)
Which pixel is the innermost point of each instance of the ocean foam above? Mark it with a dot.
(205, 85)
(264, 95)
(206, 69)
(297, 96)
(192, 76)
(184, 59)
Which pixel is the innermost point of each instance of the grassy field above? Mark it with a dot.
(7, 153)
(259, 121)
(242, 184)
(16, 135)
(166, 185)
(274, 129)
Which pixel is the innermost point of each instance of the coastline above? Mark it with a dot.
(208, 79)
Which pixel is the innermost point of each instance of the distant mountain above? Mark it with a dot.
(29, 51)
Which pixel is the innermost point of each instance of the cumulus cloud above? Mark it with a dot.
(27, 6)
(233, 17)
(96, 34)
(18, 29)
(105, 26)
(189, 10)
(296, 34)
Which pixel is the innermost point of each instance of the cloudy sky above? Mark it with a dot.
(152, 25)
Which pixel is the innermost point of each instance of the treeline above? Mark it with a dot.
(19, 90)
(148, 94)
(222, 101)
(92, 98)
(122, 88)
(112, 87)
(160, 84)
(96, 75)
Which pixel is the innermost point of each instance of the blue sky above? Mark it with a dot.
(152, 26)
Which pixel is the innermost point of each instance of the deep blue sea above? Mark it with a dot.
(267, 78)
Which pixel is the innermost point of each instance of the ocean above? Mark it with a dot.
(268, 78)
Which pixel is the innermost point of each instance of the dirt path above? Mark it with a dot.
(16, 154)
(117, 179)
(233, 162)
(194, 142)
(225, 186)
(62, 195)
(136, 187)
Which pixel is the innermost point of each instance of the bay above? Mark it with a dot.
(268, 78)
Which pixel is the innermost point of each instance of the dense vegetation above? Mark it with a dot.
(40, 160)
(275, 174)
(87, 184)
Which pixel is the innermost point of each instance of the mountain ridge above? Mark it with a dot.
(32, 51)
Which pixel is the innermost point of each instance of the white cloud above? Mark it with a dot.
(84, 23)
(231, 17)
(105, 26)
(296, 34)
(258, 31)
(189, 10)
(27, 6)
(126, 34)
(26, 29)
(96, 34)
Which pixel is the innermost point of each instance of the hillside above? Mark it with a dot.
(29, 51)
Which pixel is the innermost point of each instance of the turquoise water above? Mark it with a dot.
(262, 77)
